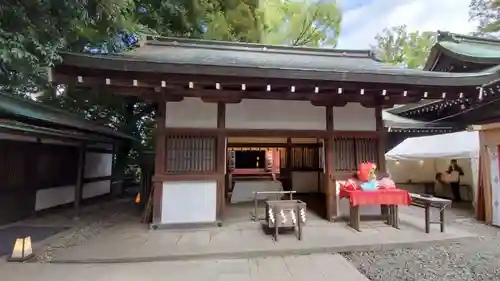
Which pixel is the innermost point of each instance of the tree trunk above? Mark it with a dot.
(123, 149)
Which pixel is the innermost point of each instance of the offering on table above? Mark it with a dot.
(364, 179)
(386, 183)
(367, 177)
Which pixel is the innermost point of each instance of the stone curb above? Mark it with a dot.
(265, 253)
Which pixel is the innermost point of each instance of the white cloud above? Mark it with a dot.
(361, 25)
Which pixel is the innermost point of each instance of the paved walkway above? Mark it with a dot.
(133, 242)
(297, 268)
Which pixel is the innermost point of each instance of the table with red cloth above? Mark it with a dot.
(392, 198)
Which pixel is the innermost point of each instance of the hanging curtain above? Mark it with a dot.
(485, 185)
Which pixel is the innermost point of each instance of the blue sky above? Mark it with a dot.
(363, 19)
(352, 4)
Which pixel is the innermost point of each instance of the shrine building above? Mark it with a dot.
(234, 118)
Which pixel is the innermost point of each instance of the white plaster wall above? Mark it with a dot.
(189, 202)
(354, 117)
(274, 114)
(191, 113)
(97, 188)
(52, 197)
(305, 182)
(243, 191)
(98, 164)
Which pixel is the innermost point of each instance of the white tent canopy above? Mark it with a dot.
(463, 146)
(457, 145)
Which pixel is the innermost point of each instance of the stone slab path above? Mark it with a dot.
(318, 267)
(134, 243)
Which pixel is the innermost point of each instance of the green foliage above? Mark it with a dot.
(231, 20)
(397, 46)
(300, 23)
(487, 14)
(33, 31)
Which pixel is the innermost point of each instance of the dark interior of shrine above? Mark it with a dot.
(250, 159)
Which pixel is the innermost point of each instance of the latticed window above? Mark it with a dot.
(305, 158)
(189, 154)
(350, 151)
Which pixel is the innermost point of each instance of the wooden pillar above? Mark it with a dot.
(288, 167)
(221, 159)
(112, 181)
(382, 146)
(80, 175)
(160, 159)
(329, 177)
(382, 140)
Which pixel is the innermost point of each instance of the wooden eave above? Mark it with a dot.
(20, 128)
(490, 126)
(381, 74)
(26, 112)
(422, 130)
(441, 50)
(171, 69)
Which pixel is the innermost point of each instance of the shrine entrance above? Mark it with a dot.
(274, 167)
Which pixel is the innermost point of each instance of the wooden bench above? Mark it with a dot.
(428, 202)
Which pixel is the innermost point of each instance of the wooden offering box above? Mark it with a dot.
(286, 214)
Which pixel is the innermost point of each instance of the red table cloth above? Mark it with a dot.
(390, 196)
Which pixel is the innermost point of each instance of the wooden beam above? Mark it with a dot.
(156, 80)
(160, 161)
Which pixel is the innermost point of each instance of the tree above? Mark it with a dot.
(32, 33)
(487, 14)
(300, 23)
(396, 45)
(231, 20)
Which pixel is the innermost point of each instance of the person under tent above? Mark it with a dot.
(455, 171)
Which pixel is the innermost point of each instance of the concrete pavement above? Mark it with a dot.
(317, 267)
(133, 242)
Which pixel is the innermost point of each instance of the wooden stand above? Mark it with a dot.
(286, 214)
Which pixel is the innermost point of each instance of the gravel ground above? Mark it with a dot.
(90, 224)
(477, 259)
